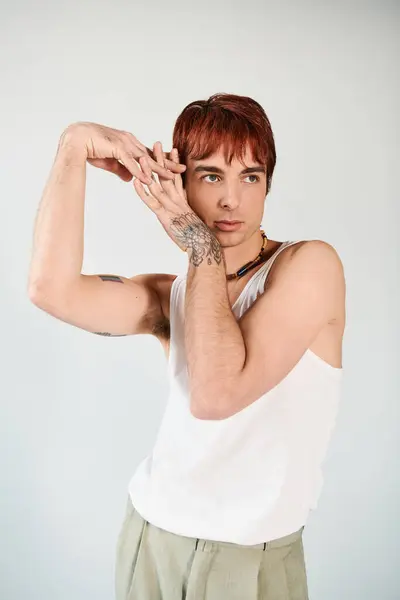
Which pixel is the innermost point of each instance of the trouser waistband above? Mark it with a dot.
(203, 544)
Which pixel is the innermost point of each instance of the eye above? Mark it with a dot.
(210, 175)
(213, 175)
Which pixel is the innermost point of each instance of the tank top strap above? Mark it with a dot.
(265, 269)
(256, 281)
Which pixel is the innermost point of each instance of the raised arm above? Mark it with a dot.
(105, 304)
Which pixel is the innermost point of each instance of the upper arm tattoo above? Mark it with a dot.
(118, 280)
(110, 334)
(111, 278)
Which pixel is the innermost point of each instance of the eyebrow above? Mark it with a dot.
(210, 168)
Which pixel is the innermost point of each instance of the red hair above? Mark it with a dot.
(228, 121)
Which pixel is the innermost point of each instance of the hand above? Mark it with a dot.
(167, 199)
(116, 151)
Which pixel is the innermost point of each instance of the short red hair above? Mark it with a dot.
(229, 121)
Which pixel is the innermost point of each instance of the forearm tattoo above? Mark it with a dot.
(193, 233)
(118, 280)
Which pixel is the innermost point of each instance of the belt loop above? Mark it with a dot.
(265, 545)
(197, 543)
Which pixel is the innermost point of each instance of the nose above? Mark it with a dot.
(230, 198)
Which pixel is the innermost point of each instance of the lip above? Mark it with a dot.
(228, 225)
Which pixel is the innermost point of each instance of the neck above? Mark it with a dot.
(236, 256)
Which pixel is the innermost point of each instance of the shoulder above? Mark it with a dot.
(316, 248)
(309, 270)
(311, 255)
(314, 264)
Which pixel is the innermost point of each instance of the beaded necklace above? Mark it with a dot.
(249, 265)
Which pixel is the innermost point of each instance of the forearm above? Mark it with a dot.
(214, 343)
(57, 252)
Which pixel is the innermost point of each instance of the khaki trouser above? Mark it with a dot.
(154, 564)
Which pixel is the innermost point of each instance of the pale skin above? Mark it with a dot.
(233, 362)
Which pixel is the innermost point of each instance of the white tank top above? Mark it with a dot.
(252, 477)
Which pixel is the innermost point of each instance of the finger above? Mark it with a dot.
(178, 178)
(169, 164)
(158, 153)
(144, 150)
(154, 185)
(173, 166)
(147, 198)
(131, 164)
(162, 189)
(160, 157)
(144, 163)
(167, 185)
(175, 160)
(159, 166)
(160, 170)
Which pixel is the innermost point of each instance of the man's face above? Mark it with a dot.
(217, 191)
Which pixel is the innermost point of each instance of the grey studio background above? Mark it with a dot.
(79, 411)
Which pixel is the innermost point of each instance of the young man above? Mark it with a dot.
(253, 334)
